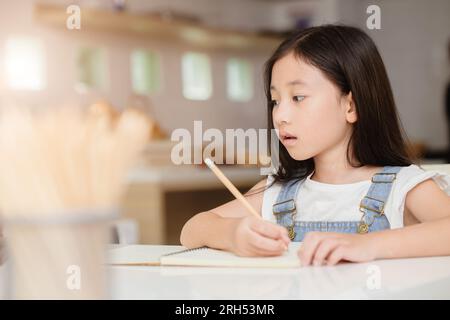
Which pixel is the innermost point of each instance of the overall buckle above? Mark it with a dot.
(290, 209)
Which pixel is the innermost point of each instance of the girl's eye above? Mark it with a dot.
(298, 98)
(274, 102)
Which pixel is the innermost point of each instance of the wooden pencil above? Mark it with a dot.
(231, 187)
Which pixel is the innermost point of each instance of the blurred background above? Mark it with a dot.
(187, 60)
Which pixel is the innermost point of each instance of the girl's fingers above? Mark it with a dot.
(258, 252)
(323, 250)
(270, 230)
(310, 243)
(336, 256)
(265, 229)
(286, 238)
(267, 244)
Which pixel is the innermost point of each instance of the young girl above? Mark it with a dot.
(346, 185)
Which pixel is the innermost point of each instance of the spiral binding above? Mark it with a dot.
(184, 251)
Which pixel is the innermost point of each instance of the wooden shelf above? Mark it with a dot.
(155, 27)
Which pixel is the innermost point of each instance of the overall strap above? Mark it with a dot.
(372, 205)
(284, 208)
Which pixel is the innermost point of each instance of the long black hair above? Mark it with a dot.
(349, 58)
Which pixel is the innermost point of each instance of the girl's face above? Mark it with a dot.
(309, 111)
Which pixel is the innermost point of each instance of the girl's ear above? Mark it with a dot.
(350, 108)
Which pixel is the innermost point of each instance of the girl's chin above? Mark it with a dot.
(298, 155)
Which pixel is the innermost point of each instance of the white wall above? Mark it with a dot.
(413, 43)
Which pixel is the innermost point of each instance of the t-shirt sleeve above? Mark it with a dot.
(410, 177)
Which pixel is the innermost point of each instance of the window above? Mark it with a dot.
(25, 64)
(196, 76)
(91, 68)
(145, 72)
(239, 80)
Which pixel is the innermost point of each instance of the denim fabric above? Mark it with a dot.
(371, 207)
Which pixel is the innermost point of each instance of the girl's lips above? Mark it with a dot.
(288, 140)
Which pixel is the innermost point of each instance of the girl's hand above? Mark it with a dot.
(255, 237)
(320, 248)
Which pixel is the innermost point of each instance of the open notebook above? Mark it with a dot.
(206, 257)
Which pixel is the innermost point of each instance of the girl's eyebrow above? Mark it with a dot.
(297, 82)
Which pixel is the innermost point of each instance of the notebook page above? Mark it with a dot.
(139, 254)
(217, 258)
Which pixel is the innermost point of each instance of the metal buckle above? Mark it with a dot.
(384, 174)
(361, 206)
(363, 227)
(286, 211)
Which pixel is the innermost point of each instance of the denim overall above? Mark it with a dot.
(371, 207)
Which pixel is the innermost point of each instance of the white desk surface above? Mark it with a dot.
(418, 278)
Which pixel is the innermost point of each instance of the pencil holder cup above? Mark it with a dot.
(58, 256)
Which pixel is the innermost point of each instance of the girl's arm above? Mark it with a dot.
(230, 227)
(431, 206)
(426, 202)
(431, 238)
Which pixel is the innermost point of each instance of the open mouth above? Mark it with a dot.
(286, 137)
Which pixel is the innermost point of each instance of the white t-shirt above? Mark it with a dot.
(317, 201)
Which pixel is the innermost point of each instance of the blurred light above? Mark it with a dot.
(92, 69)
(24, 64)
(196, 75)
(145, 72)
(239, 80)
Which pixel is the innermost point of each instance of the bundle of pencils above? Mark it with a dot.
(59, 164)
(61, 159)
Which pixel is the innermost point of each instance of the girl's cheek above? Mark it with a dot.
(330, 131)
(317, 129)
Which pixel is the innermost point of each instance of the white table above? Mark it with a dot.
(424, 278)
(427, 278)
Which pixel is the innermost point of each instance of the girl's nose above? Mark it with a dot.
(281, 114)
